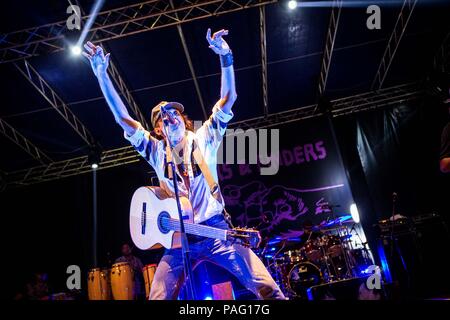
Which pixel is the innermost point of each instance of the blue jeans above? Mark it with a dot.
(240, 261)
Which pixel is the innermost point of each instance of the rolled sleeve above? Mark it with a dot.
(219, 115)
(219, 120)
(212, 131)
(143, 143)
(138, 138)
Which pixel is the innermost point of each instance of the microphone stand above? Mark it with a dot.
(188, 275)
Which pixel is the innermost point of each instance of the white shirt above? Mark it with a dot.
(208, 138)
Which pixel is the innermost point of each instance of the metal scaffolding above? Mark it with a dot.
(392, 45)
(123, 89)
(191, 65)
(38, 82)
(108, 25)
(126, 155)
(155, 14)
(441, 61)
(117, 23)
(329, 45)
(121, 85)
(263, 44)
(70, 167)
(12, 134)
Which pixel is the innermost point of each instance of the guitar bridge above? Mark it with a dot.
(143, 217)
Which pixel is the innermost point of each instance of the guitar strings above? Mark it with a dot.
(196, 229)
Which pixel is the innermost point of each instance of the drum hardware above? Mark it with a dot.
(324, 258)
(303, 276)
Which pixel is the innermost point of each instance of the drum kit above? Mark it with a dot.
(323, 254)
(117, 283)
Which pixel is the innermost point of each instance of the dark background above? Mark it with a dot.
(48, 226)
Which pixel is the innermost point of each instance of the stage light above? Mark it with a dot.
(354, 212)
(95, 156)
(76, 50)
(208, 298)
(384, 262)
(292, 4)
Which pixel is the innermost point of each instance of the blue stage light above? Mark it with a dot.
(292, 4)
(384, 263)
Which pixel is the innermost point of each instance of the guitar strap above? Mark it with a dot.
(213, 185)
(168, 160)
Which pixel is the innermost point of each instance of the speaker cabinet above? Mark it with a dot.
(349, 289)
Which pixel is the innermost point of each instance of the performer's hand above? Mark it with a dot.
(216, 42)
(99, 61)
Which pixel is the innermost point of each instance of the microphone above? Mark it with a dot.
(166, 116)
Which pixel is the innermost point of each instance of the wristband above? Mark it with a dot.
(226, 60)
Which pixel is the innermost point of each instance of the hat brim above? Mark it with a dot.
(156, 115)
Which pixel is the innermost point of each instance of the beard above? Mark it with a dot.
(177, 130)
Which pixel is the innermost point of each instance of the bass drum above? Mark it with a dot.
(302, 276)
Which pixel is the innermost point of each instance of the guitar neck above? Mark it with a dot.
(195, 229)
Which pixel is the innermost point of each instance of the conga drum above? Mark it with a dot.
(98, 284)
(149, 272)
(122, 281)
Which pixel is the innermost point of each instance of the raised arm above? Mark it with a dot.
(228, 88)
(99, 63)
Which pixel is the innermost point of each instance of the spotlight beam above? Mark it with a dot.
(92, 16)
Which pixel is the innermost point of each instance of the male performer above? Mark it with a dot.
(238, 260)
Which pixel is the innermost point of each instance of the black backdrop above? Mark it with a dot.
(49, 226)
(310, 175)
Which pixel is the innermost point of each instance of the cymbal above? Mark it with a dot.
(346, 219)
(278, 240)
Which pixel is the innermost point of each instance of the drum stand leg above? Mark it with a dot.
(350, 270)
(326, 258)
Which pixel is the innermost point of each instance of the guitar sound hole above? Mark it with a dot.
(163, 220)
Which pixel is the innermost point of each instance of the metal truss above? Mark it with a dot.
(122, 87)
(122, 156)
(55, 101)
(16, 137)
(191, 65)
(377, 99)
(329, 45)
(339, 107)
(441, 61)
(117, 23)
(262, 37)
(120, 83)
(70, 167)
(394, 40)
